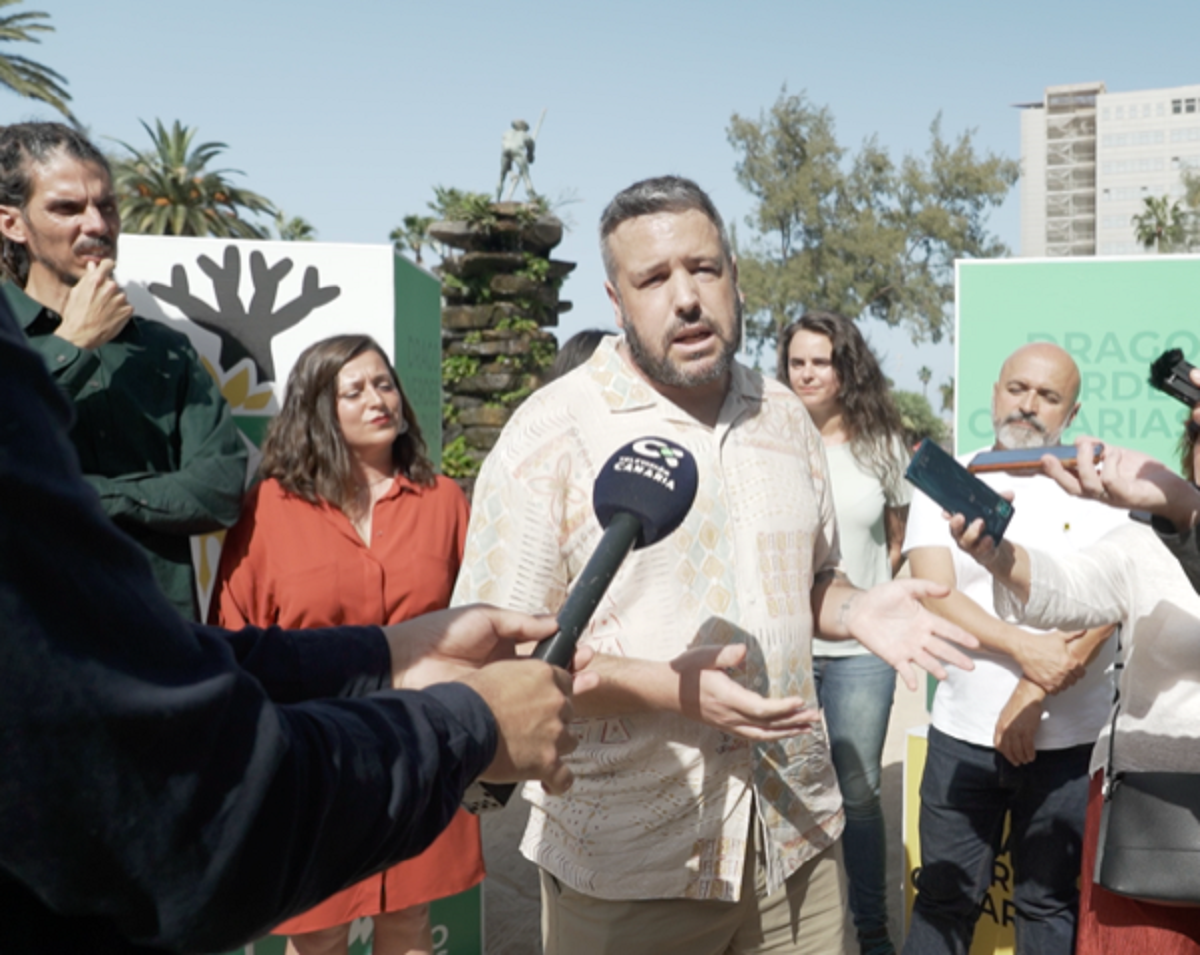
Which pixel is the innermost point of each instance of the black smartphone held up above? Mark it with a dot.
(952, 486)
(1028, 460)
(1169, 374)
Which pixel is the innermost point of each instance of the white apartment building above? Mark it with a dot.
(1089, 158)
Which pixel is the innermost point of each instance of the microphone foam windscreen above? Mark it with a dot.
(652, 479)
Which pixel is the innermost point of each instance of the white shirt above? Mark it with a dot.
(968, 703)
(859, 499)
(1130, 572)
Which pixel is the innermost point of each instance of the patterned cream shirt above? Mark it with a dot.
(662, 805)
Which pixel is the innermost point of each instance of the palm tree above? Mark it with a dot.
(294, 228)
(412, 236)
(925, 375)
(1161, 226)
(169, 189)
(22, 75)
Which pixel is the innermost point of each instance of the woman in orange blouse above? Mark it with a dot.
(351, 526)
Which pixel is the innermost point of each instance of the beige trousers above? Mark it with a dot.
(805, 915)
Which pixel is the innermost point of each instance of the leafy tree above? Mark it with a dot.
(169, 189)
(858, 234)
(1161, 226)
(947, 391)
(918, 419)
(293, 228)
(412, 236)
(22, 75)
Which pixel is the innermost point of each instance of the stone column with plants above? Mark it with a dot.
(500, 292)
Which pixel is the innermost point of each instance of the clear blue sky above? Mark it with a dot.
(349, 113)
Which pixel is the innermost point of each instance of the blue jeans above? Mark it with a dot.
(856, 695)
(965, 793)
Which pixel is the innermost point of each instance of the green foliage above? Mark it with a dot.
(457, 461)
(473, 208)
(473, 338)
(534, 206)
(457, 367)
(947, 392)
(1191, 186)
(475, 289)
(517, 324)
(1161, 226)
(858, 234)
(536, 268)
(543, 353)
(509, 399)
(412, 236)
(293, 228)
(169, 189)
(24, 76)
(918, 418)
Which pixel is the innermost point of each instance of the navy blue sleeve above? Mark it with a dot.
(152, 791)
(298, 665)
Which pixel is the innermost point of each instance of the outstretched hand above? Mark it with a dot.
(972, 537)
(1126, 479)
(891, 622)
(709, 695)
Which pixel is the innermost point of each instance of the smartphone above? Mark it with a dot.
(1027, 460)
(957, 490)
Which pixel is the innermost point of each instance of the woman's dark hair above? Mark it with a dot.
(1187, 448)
(304, 449)
(871, 418)
(575, 351)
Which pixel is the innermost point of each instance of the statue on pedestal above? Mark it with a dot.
(517, 153)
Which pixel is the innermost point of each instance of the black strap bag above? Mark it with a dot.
(1149, 844)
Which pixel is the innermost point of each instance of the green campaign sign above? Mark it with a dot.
(1114, 317)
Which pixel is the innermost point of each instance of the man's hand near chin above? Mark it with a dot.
(95, 309)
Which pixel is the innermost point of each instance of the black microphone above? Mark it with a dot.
(643, 492)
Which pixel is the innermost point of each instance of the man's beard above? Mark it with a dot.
(674, 374)
(1010, 434)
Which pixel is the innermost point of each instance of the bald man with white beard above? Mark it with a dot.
(1015, 734)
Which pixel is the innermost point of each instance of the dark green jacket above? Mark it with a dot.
(154, 437)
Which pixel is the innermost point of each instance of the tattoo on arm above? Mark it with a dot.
(843, 614)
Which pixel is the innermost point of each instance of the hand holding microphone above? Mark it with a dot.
(641, 495)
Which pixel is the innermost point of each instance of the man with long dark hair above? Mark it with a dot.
(155, 437)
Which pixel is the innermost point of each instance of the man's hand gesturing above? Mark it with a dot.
(96, 309)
